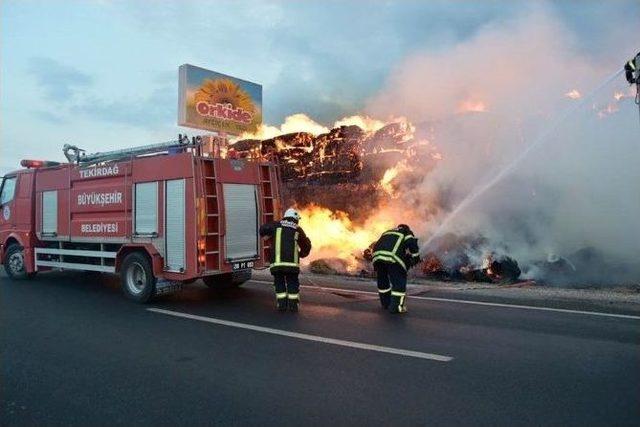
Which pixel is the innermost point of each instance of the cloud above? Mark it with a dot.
(70, 90)
(157, 108)
(321, 58)
(50, 117)
(58, 81)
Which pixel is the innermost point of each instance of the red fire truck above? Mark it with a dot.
(161, 216)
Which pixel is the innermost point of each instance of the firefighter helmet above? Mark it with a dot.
(403, 228)
(292, 214)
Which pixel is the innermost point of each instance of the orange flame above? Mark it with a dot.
(389, 175)
(471, 106)
(363, 122)
(294, 123)
(573, 94)
(619, 95)
(335, 235)
(607, 111)
(300, 122)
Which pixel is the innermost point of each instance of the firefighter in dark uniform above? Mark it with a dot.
(632, 69)
(395, 252)
(289, 244)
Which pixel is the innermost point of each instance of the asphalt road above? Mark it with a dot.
(75, 352)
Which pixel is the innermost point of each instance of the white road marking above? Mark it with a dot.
(531, 307)
(297, 335)
(492, 304)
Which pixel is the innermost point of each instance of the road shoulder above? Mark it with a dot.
(609, 300)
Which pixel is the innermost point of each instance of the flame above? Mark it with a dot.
(363, 122)
(295, 123)
(471, 106)
(619, 95)
(573, 94)
(608, 110)
(389, 175)
(335, 235)
(300, 122)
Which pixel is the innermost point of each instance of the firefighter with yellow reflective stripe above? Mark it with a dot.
(289, 244)
(395, 252)
(632, 70)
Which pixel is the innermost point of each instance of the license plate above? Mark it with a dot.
(242, 265)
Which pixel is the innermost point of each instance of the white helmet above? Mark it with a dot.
(292, 213)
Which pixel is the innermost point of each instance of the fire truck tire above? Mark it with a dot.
(138, 281)
(227, 280)
(14, 263)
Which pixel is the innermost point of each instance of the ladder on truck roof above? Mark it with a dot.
(78, 155)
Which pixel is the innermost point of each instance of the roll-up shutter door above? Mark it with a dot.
(49, 212)
(174, 227)
(241, 217)
(146, 208)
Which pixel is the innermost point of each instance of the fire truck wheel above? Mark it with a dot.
(14, 263)
(138, 281)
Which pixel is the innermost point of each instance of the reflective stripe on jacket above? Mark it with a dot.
(632, 73)
(396, 247)
(289, 244)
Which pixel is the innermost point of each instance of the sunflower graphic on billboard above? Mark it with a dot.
(217, 102)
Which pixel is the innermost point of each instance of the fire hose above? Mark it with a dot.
(348, 294)
(317, 287)
(638, 96)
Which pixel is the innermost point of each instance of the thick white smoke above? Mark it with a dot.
(488, 99)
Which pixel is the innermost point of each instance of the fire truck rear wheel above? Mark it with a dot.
(138, 281)
(14, 263)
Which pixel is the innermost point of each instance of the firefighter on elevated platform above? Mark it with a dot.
(632, 74)
(632, 70)
(395, 252)
(289, 244)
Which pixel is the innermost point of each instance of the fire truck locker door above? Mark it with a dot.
(146, 208)
(49, 213)
(174, 225)
(241, 217)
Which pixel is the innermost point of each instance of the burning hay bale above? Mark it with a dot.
(338, 156)
(328, 266)
(468, 259)
(432, 268)
(502, 269)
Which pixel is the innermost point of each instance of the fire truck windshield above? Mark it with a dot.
(8, 188)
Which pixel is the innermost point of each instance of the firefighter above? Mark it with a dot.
(632, 69)
(395, 252)
(290, 243)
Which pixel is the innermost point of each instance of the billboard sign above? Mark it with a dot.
(217, 102)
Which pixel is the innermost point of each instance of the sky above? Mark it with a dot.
(104, 74)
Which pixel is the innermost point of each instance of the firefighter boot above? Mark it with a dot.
(385, 299)
(397, 302)
(293, 302)
(281, 302)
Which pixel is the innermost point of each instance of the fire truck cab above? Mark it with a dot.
(161, 216)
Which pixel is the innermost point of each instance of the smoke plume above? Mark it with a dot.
(576, 196)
